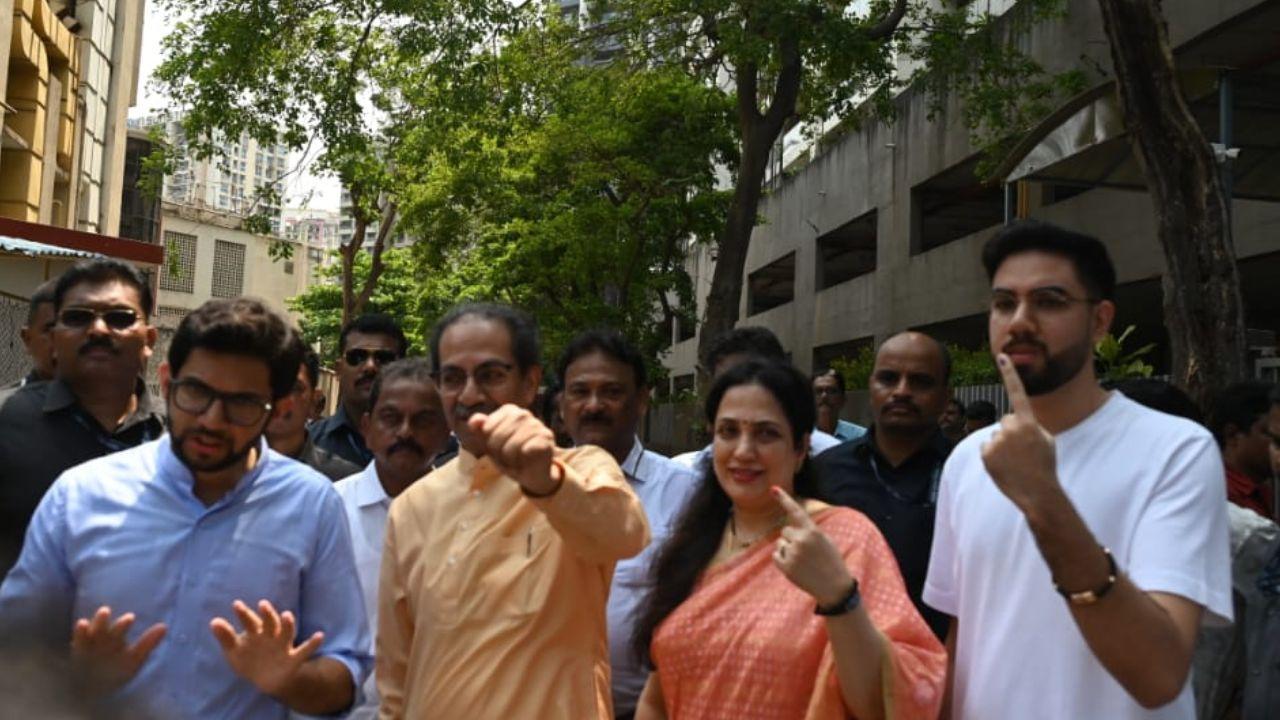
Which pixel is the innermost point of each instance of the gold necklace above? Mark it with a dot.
(739, 543)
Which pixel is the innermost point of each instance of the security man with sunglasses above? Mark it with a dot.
(97, 402)
(366, 344)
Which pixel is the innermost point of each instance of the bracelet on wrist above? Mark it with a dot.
(557, 478)
(1089, 597)
(847, 604)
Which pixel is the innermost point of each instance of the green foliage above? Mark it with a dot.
(398, 294)
(1114, 363)
(968, 367)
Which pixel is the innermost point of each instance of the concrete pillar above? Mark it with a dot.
(125, 56)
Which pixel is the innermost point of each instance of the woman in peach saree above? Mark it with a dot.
(769, 607)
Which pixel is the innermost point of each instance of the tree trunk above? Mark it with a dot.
(1203, 310)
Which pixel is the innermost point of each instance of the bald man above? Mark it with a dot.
(891, 473)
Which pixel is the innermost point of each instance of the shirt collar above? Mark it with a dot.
(60, 396)
(369, 490)
(938, 445)
(480, 470)
(631, 465)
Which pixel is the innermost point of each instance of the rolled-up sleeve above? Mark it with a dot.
(595, 511)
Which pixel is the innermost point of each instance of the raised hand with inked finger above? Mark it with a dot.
(1020, 455)
(264, 654)
(520, 446)
(100, 651)
(807, 557)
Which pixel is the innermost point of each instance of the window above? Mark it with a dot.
(288, 267)
(772, 285)
(952, 205)
(823, 355)
(179, 271)
(682, 383)
(847, 252)
(228, 269)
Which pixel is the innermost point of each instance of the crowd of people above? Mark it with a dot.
(467, 538)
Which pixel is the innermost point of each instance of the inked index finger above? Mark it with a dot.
(1013, 386)
(796, 516)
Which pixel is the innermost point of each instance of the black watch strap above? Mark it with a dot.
(849, 603)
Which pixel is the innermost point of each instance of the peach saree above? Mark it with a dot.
(747, 644)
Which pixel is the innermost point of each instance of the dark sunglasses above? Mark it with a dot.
(115, 318)
(357, 356)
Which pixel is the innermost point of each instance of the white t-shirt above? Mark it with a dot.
(1150, 487)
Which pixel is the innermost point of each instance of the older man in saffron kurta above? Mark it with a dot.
(497, 565)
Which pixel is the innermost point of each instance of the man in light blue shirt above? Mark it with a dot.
(140, 557)
(606, 392)
(828, 396)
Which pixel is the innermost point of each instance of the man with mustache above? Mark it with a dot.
(828, 395)
(1084, 537)
(139, 558)
(606, 393)
(405, 429)
(364, 346)
(496, 568)
(287, 432)
(891, 473)
(97, 403)
(952, 420)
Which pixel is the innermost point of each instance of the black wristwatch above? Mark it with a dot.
(850, 603)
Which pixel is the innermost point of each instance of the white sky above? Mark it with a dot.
(325, 192)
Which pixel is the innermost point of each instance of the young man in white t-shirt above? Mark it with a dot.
(1080, 542)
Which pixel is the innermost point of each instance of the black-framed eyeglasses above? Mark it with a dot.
(243, 409)
(82, 317)
(488, 376)
(1042, 301)
(359, 356)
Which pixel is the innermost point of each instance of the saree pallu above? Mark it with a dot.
(747, 644)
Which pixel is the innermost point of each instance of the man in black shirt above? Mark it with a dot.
(287, 432)
(891, 473)
(96, 404)
(366, 344)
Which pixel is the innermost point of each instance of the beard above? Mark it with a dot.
(1058, 370)
(236, 455)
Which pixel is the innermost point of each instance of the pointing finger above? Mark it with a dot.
(1013, 386)
(796, 516)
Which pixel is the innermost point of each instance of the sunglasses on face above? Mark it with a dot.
(358, 356)
(115, 318)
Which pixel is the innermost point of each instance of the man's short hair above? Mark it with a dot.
(525, 343)
(415, 369)
(756, 342)
(1160, 395)
(101, 271)
(375, 324)
(611, 343)
(831, 373)
(980, 410)
(240, 326)
(956, 401)
(1239, 405)
(1089, 256)
(43, 295)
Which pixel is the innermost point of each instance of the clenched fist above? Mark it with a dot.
(519, 445)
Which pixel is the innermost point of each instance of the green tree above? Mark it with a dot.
(570, 191)
(781, 62)
(314, 74)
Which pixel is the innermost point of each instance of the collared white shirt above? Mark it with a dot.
(663, 486)
(366, 503)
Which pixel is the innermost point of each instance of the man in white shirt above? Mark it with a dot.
(1080, 542)
(606, 393)
(405, 428)
(732, 349)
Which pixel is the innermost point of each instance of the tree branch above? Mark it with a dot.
(889, 23)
